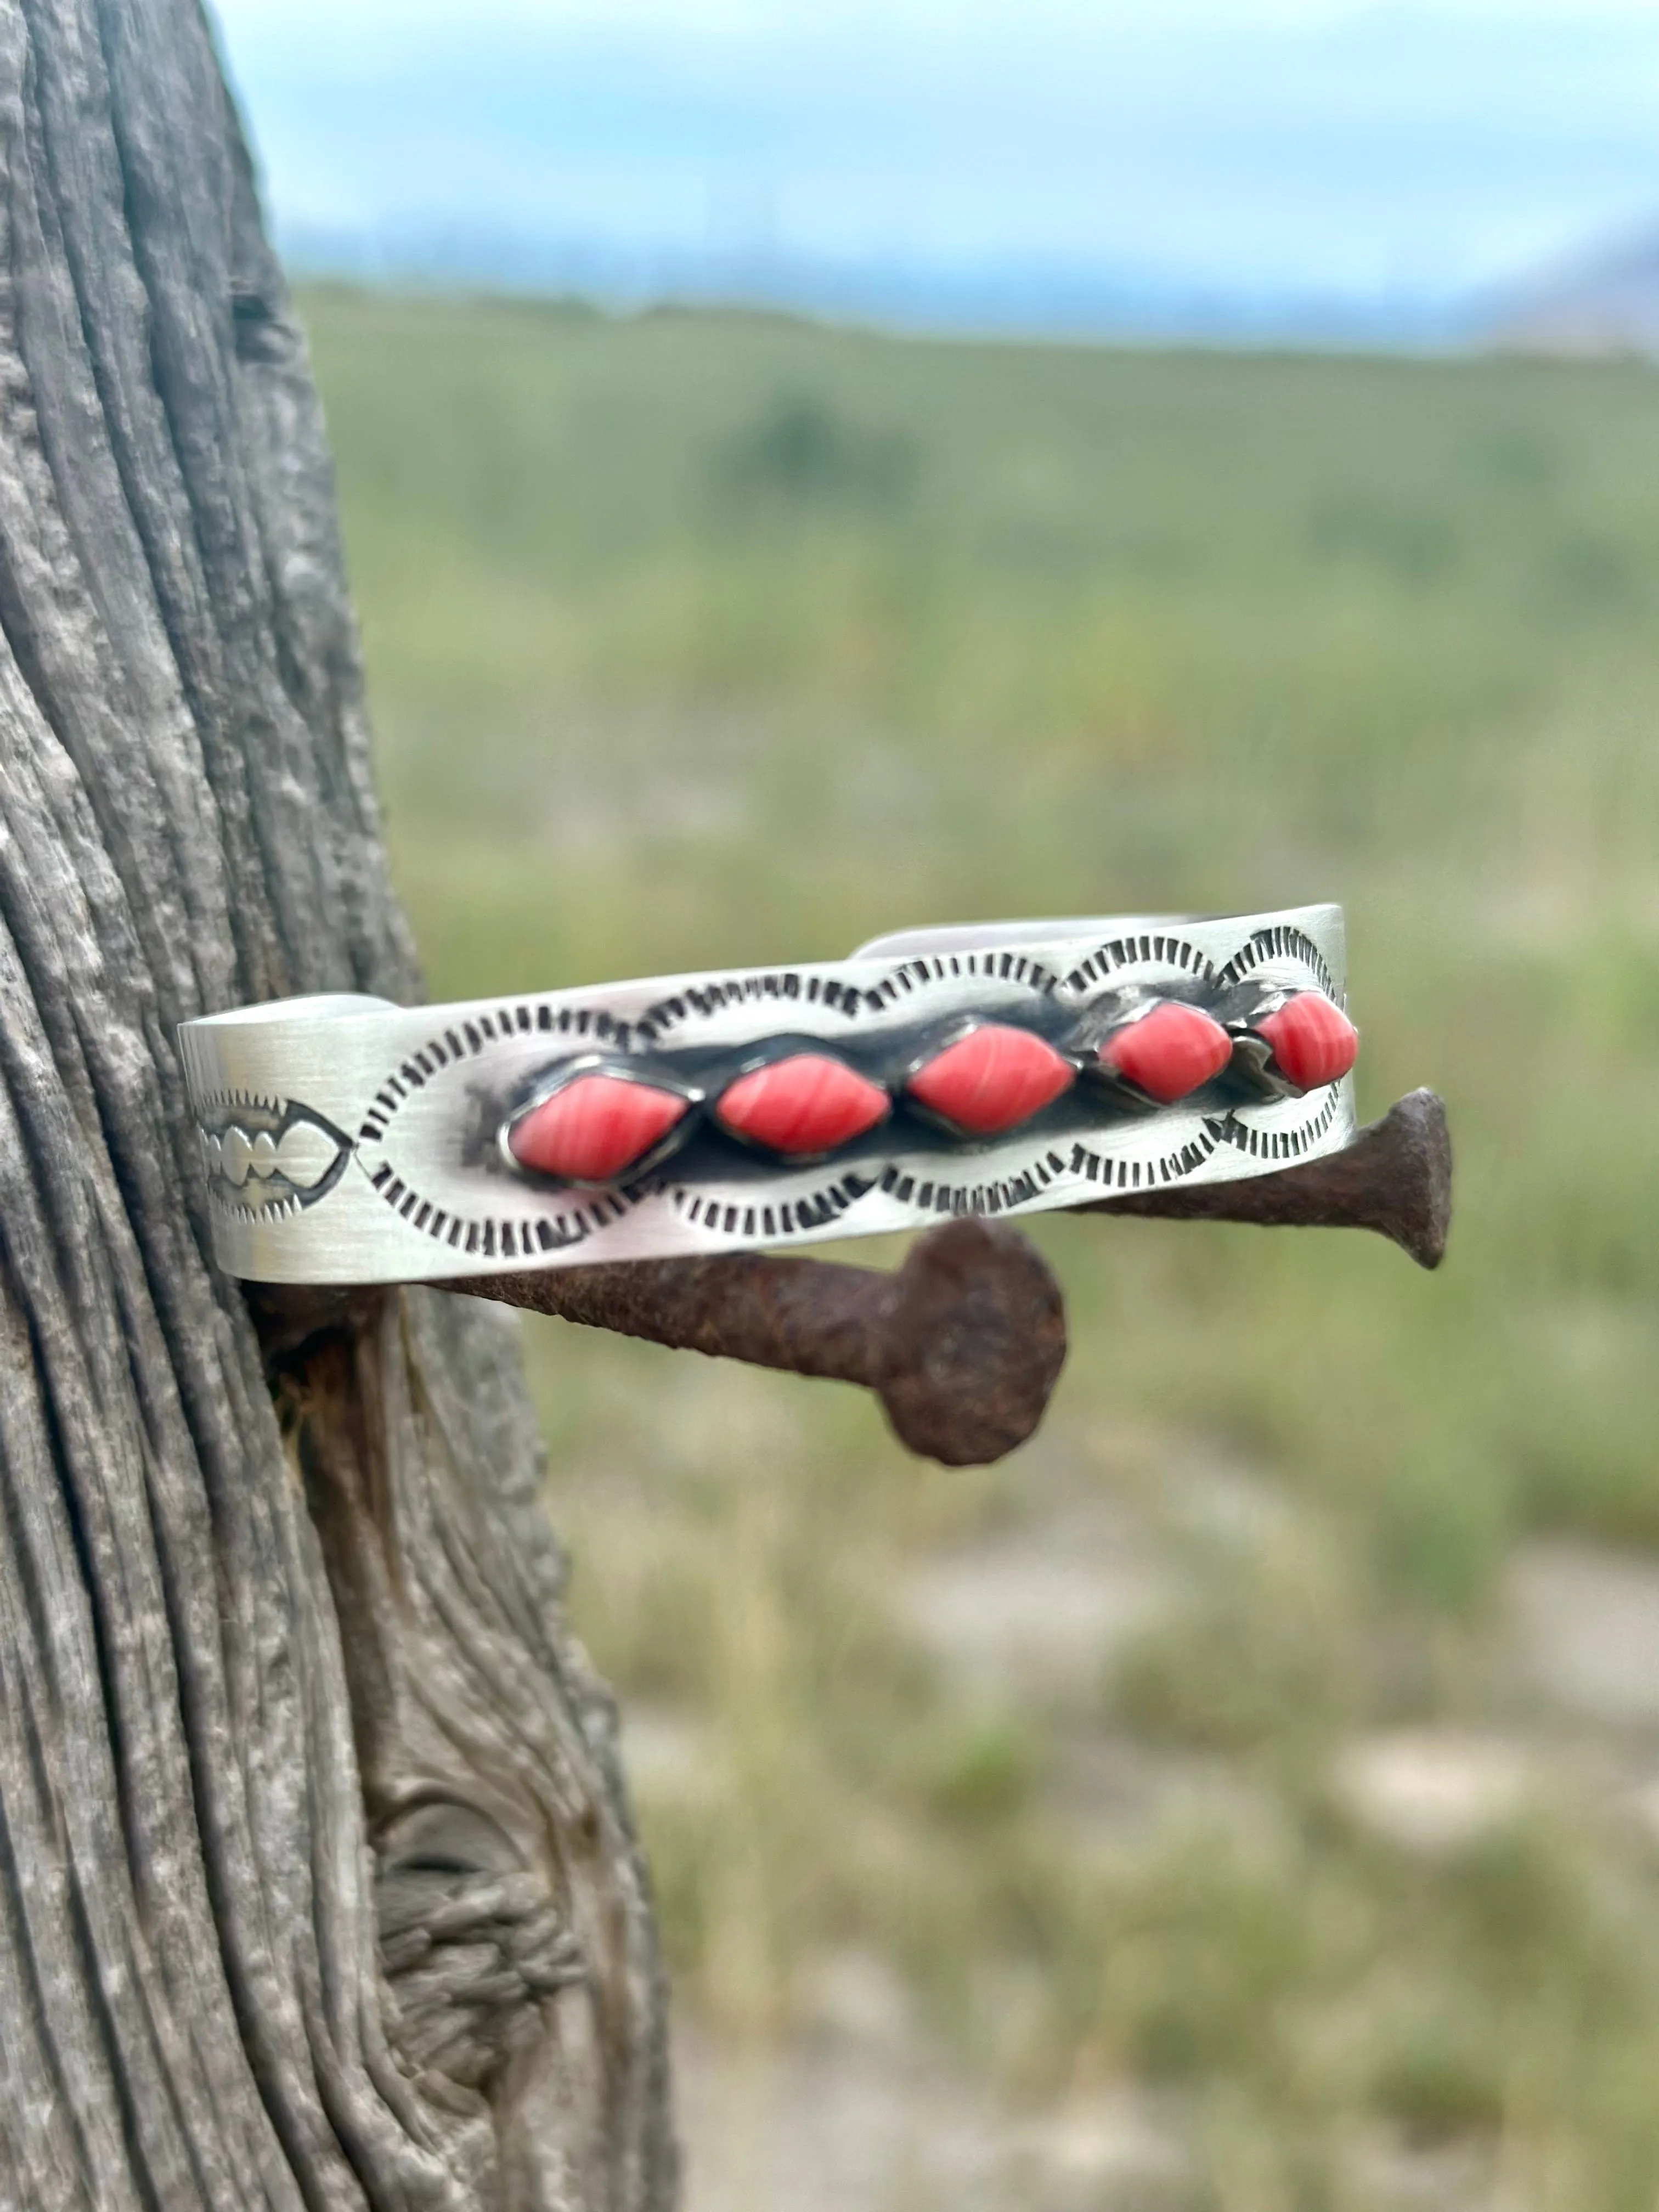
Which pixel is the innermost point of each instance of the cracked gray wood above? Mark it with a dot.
(317, 1887)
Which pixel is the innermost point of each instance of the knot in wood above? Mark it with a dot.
(470, 1946)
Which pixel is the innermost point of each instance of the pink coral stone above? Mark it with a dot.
(806, 1103)
(992, 1080)
(1312, 1040)
(1173, 1050)
(592, 1128)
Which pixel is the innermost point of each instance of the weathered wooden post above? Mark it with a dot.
(317, 1887)
(317, 1884)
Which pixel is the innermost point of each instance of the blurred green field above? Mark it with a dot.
(697, 640)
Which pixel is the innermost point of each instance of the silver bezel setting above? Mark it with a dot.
(422, 1100)
(597, 1063)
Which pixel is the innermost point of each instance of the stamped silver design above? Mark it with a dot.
(346, 1139)
(264, 1158)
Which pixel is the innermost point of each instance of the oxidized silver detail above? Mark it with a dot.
(264, 1158)
(349, 1141)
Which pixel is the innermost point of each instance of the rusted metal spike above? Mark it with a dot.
(1395, 1178)
(962, 1343)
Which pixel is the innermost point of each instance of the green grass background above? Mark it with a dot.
(696, 640)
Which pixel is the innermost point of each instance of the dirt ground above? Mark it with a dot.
(857, 2109)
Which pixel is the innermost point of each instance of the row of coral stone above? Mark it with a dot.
(600, 1124)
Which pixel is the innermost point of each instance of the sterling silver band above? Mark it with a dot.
(999, 1070)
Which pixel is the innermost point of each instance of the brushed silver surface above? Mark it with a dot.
(349, 1141)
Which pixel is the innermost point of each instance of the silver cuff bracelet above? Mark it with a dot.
(1006, 1069)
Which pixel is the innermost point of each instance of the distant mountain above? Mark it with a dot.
(985, 296)
(1222, 171)
(1598, 306)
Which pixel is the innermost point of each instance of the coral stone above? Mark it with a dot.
(1312, 1040)
(1170, 1052)
(593, 1129)
(992, 1080)
(806, 1103)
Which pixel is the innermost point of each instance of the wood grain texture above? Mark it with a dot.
(317, 1887)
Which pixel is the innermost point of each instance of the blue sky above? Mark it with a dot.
(1369, 157)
